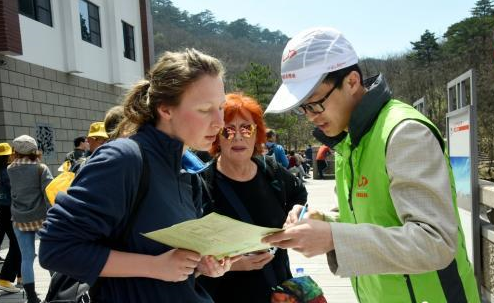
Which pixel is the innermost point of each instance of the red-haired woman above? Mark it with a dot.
(244, 185)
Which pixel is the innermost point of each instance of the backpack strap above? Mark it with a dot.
(232, 198)
(207, 178)
(141, 194)
(272, 170)
(136, 203)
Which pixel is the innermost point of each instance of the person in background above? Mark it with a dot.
(294, 166)
(274, 149)
(308, 155)
(96, 137)
(240, 166)
(112, 118)
(264, 149)
(163, 119)
(322, 154)
(399, 235)
(28, 180)
(304, 162)
(12, 265)
(4, 148)
(81, 146)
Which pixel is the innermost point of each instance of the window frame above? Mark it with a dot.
(129, 41)
(36, 6)
(94, 22)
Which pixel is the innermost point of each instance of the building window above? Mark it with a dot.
(89, 17)
(39, 10)
(128, 35)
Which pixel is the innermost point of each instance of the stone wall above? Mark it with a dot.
(52, 106)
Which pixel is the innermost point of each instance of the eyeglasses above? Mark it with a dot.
(315, 107)
(246, 131)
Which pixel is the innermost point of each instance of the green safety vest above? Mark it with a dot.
(363, 197)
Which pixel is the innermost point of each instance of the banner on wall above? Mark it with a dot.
(460, 155)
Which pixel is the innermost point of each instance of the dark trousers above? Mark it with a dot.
(321, 165)
(12, 265)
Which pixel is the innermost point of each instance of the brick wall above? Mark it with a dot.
(34, 98)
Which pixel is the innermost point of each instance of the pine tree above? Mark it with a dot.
(483, 8)
(258, 81)
(426, 49)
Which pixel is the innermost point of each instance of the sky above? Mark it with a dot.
(376, 28)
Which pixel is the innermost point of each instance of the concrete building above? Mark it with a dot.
(63, 63)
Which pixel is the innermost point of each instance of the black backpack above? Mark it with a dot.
(271, 150)
(65, 289)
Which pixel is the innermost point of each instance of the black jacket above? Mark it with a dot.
(289, 190)
(267, 198)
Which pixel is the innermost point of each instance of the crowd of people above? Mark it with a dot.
(397, 236)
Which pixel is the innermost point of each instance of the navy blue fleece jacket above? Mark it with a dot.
(97, 207)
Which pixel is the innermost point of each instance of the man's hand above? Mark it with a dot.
(309, 237)
(293, 215)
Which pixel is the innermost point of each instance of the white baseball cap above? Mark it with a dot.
(307, 59)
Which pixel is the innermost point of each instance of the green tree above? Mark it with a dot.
(426, 49)
(258, 81)
(470, 41)
(203, 22)
(483, 8)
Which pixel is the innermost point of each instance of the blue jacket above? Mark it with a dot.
(97, 207)
(279, 153)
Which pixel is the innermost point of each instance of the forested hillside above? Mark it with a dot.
(435, 60)
(236, 43)
(252, 54)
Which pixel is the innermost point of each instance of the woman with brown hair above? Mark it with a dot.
(247, 186)
(178, 106)
(28, 180)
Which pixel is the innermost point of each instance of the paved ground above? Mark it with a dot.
(336, 290)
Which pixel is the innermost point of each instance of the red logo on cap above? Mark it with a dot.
(288, 76)
(290, 54)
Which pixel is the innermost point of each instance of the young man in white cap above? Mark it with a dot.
(398, 236)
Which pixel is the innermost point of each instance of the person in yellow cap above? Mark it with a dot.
(96, 136)
(12, 265)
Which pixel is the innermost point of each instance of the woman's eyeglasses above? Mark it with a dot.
(246, 131)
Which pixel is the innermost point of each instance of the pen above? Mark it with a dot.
(303, 211)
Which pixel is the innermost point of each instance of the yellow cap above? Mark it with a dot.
(97, 129)
(5, 149)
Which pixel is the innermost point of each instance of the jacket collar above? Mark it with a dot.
(192, 164)
(170, 149)
(363, 116)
